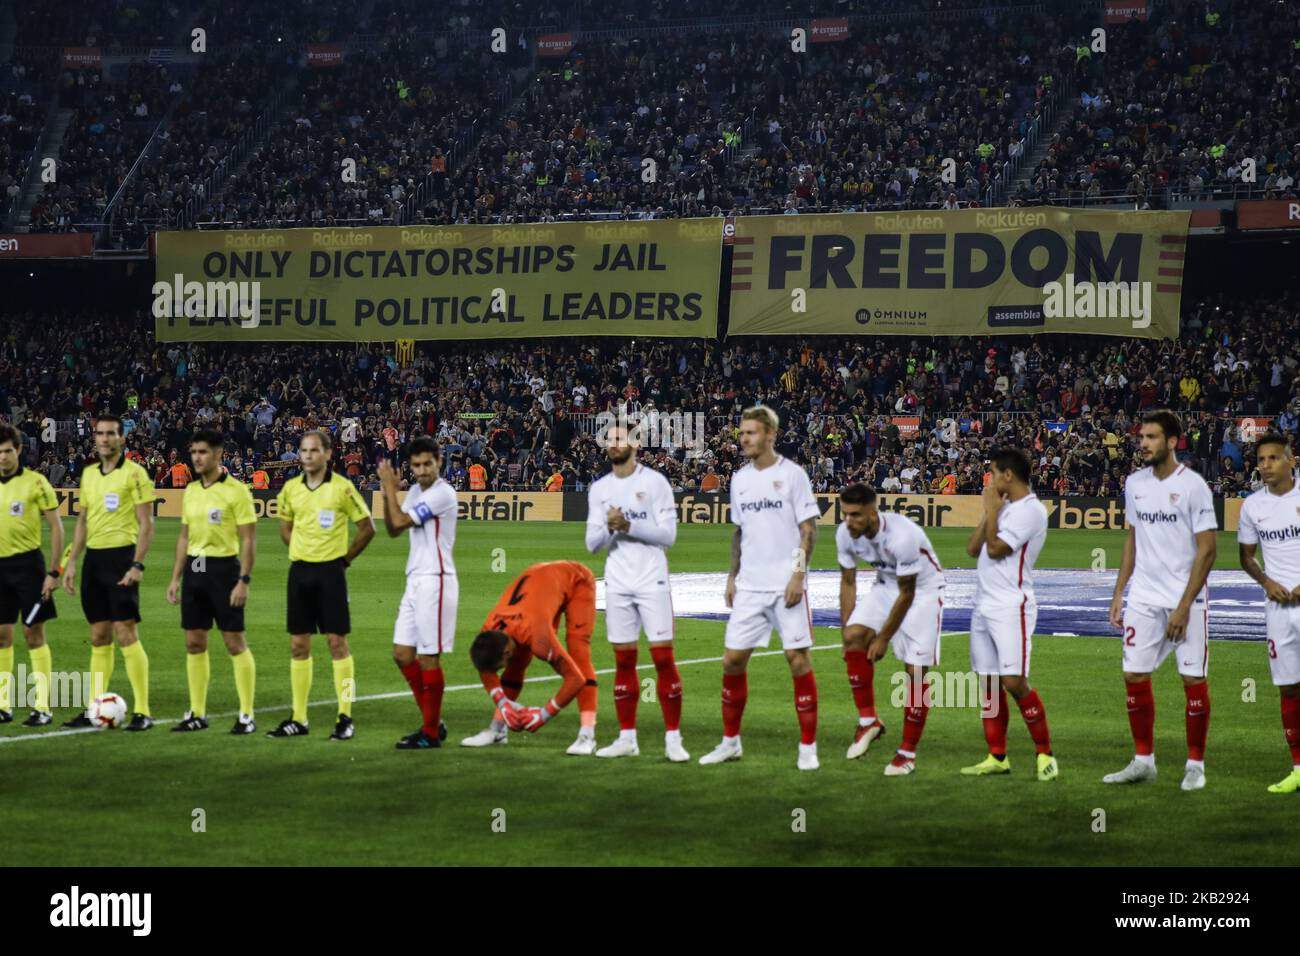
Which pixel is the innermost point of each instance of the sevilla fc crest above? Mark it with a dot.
(776, 485)
(1173, 497)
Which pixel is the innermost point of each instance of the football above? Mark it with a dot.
(107, 711)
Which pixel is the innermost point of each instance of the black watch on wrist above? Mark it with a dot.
(246, 578)
(54, 572)
(137, 565)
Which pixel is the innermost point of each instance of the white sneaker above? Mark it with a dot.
(863, 737)
(900, 769)
(1194, 779)
(729, 749)
(621, 747)
(674, 750)
(808, 758)
(486, 738)
(1135, 772)
(584, 746)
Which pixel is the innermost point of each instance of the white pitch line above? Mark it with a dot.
(388, 696)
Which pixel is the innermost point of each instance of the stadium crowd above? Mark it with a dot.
(907, 414)
(735, 121)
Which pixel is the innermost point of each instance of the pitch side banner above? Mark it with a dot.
(929, 511)
(966, 272)
(656, 278)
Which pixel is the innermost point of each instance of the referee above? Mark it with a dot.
(115, 528)
(26, 591)
(314, 510)
(214, 566)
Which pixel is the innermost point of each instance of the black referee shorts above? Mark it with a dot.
(205, 595)
(318, 598)
(102, 598)
(21, 578)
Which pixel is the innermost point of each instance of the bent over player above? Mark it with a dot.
(903, 609)
(522, 626)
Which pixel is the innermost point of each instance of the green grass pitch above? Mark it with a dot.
(121, 799)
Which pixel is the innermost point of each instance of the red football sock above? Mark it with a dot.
(805, 705)
(735, 690)
(626, 686)
(913, 716)
(1198, 719)
(1291, 724)
(669, 686)
(435, 681)
(996, 719)
(1142, 717)
(412, 673)
(1031, 708)
(862, 674)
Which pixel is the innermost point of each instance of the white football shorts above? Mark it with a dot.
(426, 616)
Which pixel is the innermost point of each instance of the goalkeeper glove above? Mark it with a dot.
(504, 703)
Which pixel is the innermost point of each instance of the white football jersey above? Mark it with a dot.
(900, 548)
(434, 512)
(768, 505)
(1166, 517)
(1010, 582)
(638, 557)
(1273, 522)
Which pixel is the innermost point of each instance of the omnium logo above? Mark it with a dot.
(178, 299)
(75, 908)
(1098, 300)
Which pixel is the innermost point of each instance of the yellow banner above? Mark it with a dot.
(968, 272)
(654, 278)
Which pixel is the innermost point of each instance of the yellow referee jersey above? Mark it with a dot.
(213, 514)
(109, 503)
(24, 497)
(320, 516)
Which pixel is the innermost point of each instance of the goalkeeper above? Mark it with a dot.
(523, 626)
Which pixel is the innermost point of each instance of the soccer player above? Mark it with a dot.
(1168, 554)
(522, 626)
(210, 579)
(1006, 544)
(426, 618)
(776, 515)
(26, 590)
(315, 508)
(631, 512)
(115, 528)
(904, 608)
(1270, 518)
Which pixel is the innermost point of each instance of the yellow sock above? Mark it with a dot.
(300, 677)
(137, 671)
(42, 665)
(245, 679)
(6, 678)
(345, 685)
(199, 671)
(101, 670)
